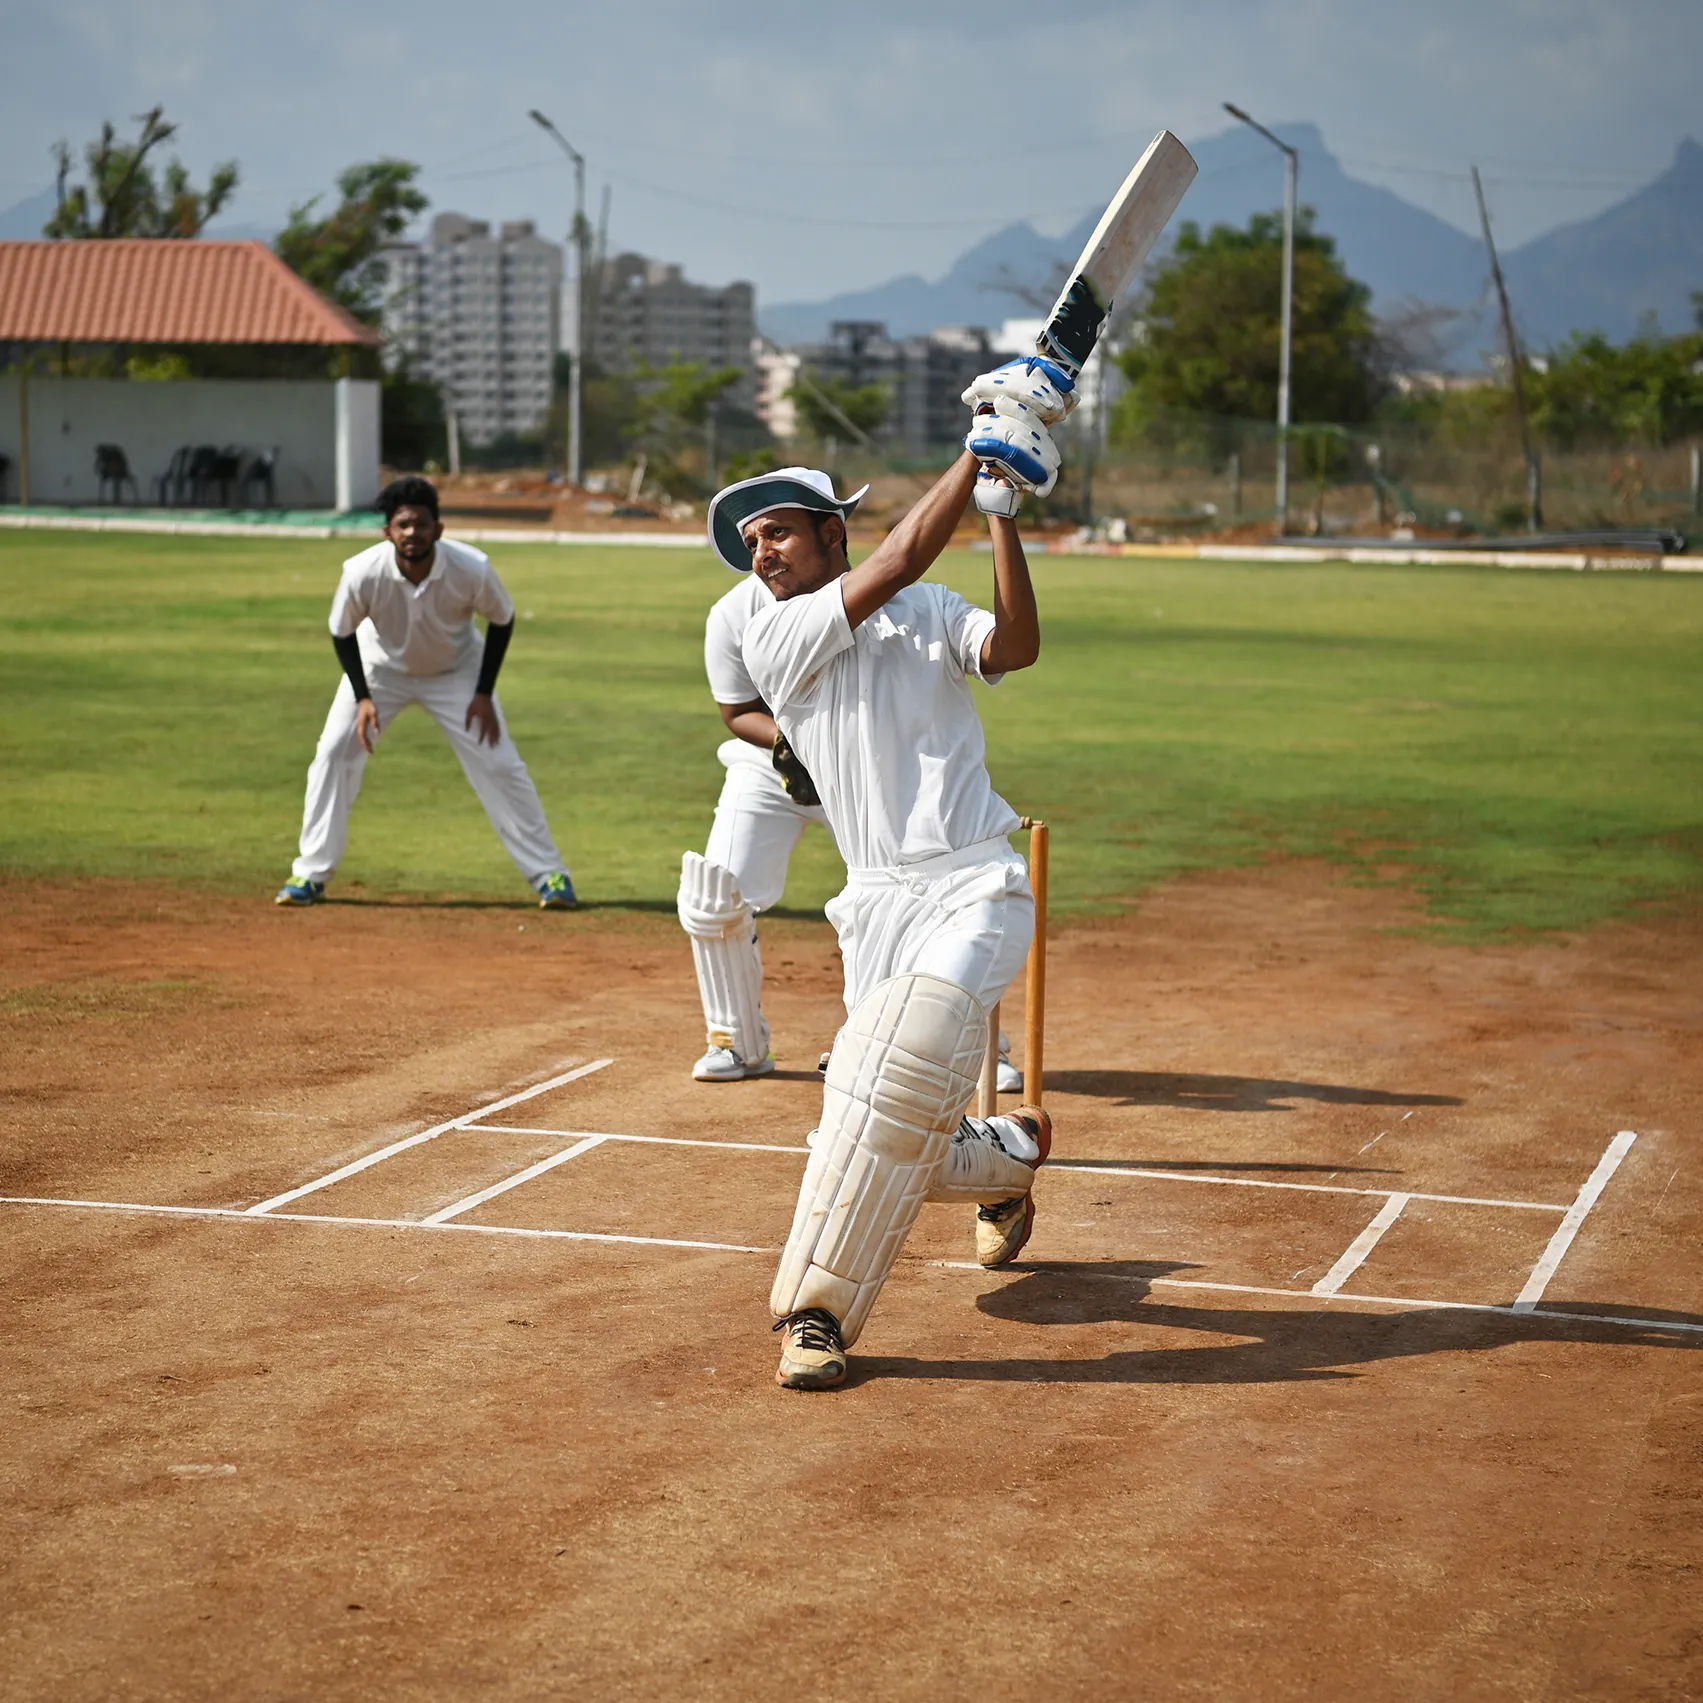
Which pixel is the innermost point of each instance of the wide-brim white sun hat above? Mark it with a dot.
(785, 488)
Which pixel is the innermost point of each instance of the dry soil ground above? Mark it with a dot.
(326, 1452)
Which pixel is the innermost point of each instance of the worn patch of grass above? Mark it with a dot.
(1525, 749)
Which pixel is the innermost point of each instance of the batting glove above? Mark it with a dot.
(1042, 386)
(1019, 450)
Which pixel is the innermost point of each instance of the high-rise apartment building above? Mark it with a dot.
(647, 313)
(480, 316)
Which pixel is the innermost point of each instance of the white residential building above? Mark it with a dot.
(481, 317)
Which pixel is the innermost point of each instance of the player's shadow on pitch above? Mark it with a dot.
(1271, 1345)
(1205, 1093)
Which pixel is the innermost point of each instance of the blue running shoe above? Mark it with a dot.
(299, 891)
(556, 893)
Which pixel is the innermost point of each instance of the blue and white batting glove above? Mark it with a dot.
(1041, 385)
(1014, 446)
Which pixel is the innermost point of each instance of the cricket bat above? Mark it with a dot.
(1123, 239)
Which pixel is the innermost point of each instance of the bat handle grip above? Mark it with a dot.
(995, 496)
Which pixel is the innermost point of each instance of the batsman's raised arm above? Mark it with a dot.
(913, 546)
(1015, 641)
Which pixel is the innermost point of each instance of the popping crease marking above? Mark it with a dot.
(1306, 1188)
(653, 1140)
(235, 1215)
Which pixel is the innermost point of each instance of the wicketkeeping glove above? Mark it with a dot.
(800, 788)
(1042, 386)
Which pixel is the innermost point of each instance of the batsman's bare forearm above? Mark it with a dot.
(914, 545)
(752, 723)
(1015, 641)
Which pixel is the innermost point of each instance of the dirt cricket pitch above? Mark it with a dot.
(1252, 1420)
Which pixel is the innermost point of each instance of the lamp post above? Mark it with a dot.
(1291, 167)
(576, 345)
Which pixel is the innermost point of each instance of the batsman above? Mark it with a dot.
(867, 674)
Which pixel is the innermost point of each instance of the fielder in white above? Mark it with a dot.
(767, 801)
(867, 673)
(402, 626)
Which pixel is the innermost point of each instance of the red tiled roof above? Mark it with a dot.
(146, 290)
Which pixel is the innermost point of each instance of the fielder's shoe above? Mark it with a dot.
(1010, 1077)
(300, 891)
(723, 1064)
(556, 893)
(822, 1064)
(1003, 1229)
(814, 1358)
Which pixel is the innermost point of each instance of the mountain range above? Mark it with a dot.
(1642, 255)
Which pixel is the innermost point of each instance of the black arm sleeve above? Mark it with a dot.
(349, 654)
(496, 647)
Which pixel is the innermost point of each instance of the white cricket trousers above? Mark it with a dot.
(757, 825)
(967, 917)
(498, 775)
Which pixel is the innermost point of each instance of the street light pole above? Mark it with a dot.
(576, 345)
(1291, 171)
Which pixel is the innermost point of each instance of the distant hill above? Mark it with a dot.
(1644, 253)
(23, 219)
(1399, 249)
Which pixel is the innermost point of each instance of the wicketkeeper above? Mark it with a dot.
(867, 674)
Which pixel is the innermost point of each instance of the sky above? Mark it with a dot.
(813, 149)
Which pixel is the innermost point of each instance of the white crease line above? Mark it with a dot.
(657, 1140)
(1632, 1319)
(390, 1152)
(468, 1202)
(1568, 1228)
(1307, 1188)
(236, 1216)
(1354, 1255)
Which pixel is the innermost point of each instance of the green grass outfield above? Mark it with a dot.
(1524, 749)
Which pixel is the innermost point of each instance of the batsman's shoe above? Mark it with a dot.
(723, 1064)
(1010, 1077)
(300, 891)
(556, 893)
(1004, 1228)
(814, 1357)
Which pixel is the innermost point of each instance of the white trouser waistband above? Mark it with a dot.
(966, 857)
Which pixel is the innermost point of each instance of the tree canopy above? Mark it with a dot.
(825, 404)
(1648, 391)
(1210, 324)
(122, 197)
(338, 254)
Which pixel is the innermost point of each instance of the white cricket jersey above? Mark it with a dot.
(883, 719)
(425, 628)
(724, 641)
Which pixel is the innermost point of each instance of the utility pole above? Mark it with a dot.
(1291, 175)
(581, 239)
(1534, 473)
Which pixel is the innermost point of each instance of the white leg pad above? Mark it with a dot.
(984, 1165)
(725, 953)
(901, 1073)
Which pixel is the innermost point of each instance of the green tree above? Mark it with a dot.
(826, 403)
(1647, 391)
(122, 197)
(338, 254)
(1210, 327)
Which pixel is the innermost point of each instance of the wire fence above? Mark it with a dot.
(1194, 475)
